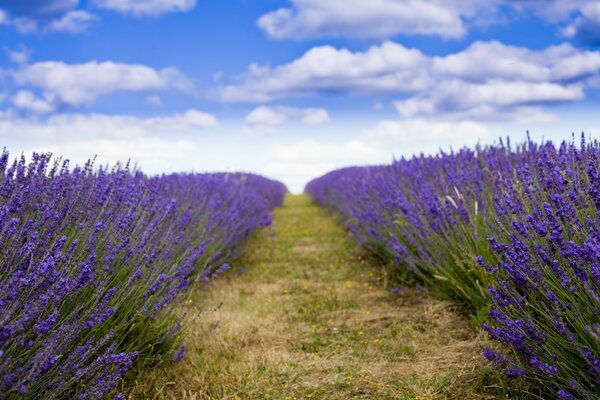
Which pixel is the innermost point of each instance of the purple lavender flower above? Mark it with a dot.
(180, 353)
(89, 256)
(528, 217)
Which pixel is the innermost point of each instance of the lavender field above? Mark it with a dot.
(98, 261)
(510, 233)
(94, 259)
(299, 199)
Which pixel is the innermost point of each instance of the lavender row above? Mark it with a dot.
(510, 233)
(91, 258)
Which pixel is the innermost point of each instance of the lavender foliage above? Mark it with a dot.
(511, 233)
(91, 258)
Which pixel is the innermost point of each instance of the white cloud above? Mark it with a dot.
(217, 76)
(315, 116)
(550, 10)
(420, 133)
(487, 79)
(295, 163)
(485, 60)
(43, 16)
(492, 99)
(266, 116)
(371, 19)
(101, 126)
(26, 25)
(81, 84)
(3, 17)
(158, 144)
(20, 56)
(594, 82)
(273, 116)
(191, 120)
(72, 22)
(387, 68)
(154, 100)
(28, 101)
(146, 8)
(493, 80)
(445, 18)
(312, 150)
(149, 153)
(586, 27)
(296, 174)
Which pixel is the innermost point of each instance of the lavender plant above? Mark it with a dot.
(510, 233)
(91, 258)
(546, 296)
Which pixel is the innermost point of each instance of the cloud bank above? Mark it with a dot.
(468, 83)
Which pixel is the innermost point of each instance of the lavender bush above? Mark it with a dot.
(91, 258)
(512, 233)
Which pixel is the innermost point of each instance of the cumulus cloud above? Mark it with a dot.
(492, 99)
(449, 19)
(266, 116)
(20, 56)
(485, 60)
(372, 19)
(296, 174)
(42, 16)
(25, 100)
(273, 116)
(72, 22)
(295, 163)
(514, 81)
(310, 149)
(154, 155)
(155, 100)
(586, 27)
(487, 79)
(389, 67)
(314, 116)
(419, 133)
(159, 144)
(146, 8)
(102, 126)
(190, 120)
(81, 84)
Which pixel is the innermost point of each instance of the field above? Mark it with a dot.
(299, 199)
(509, 234)
(464, 275)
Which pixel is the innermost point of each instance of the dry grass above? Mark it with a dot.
(305, 315)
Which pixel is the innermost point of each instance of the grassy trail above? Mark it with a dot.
(305, 315)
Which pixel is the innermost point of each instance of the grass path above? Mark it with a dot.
(305, 315)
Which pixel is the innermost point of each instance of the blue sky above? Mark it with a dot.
(291, 88)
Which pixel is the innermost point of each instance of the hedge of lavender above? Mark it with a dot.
(91, 258)
(509, 233)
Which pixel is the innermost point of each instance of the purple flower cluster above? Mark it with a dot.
(91, 257)
(523, 224)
